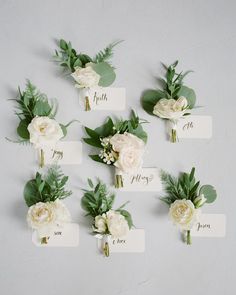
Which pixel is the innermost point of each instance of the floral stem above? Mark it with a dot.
(173, 135)
(41, 159)
(44, 240)
(87, 104)
(118, 181)
(106, 249)
(188, 238)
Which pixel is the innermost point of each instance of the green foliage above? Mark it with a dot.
(106, 72)
(185, 187)
(31, 103)
(46, 189)
(107, 53)
(97, 200)
(109, 128)
(172, 87)
(209, 192)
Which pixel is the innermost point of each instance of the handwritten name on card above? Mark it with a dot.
(210, 225)
(146, 179)
(195, 127)
(65, 153)
(60, 236)
(133, 242)
(106, 98)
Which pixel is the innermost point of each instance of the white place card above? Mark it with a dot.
(133, 242)
(210, 225)
(61, 236)
(145, 179)
(105, 98)
(65, 153)
(195, 127)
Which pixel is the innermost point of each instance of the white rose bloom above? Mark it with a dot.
(129, 160)
(86, 77)
(120, 141)
(183, 213)
(100, 223)
(42, 215)
(117, 224)
(44, 132)
(170, 108)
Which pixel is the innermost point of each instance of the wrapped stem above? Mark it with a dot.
(41, 158)
(188, 238)
(118, 181)
(87, 104)
(106, 250)
(44, 240)
(173, 135)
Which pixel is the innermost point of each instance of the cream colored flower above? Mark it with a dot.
(183, 213)
(42, 215)
(120, 141)
(86, 77)
(170, 108)
(117, 224)
(129, 160)
(44, 132)
(100, 223)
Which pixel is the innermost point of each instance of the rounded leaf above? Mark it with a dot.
(22, 130)
(209, 192)
(189, 94)
(150, 98)
(106, 72)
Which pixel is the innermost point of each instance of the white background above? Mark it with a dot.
(201, 34)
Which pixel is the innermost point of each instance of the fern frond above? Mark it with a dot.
(106, 53)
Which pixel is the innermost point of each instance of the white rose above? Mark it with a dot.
(44, 132)
(117, 224)
(100, 223)
(120, 141)
(86, 77)
(43, 215)
(170, 108)
(40, 215)
(183, 213)
(129, 160)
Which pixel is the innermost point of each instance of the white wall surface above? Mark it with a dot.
(202, 35)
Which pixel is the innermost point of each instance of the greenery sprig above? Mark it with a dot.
(172, 87)
(185, 187)
(98, 200)
(133, 125)
(70, 59)
(46, 188)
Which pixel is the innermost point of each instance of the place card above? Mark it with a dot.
(105, 98)
(60, 236)
(133, 242)
(65, 153)
(145, 179)
(195, 127)
(210, 225)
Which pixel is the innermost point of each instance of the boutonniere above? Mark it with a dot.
(107, 222)
(185, 197)
(37, 120)
(173, 102)
(121, 144)
(87, 71)
(43, 195)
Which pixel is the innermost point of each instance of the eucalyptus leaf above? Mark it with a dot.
(209, 192)
(106, 72)
(189, 94)
(150, 98)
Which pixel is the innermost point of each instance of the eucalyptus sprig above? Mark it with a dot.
(46, 188)
(185, 196)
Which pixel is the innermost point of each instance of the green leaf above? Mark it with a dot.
(63, 44)
(22, 130)
(91, 133)
(150, 98)
(96, 158)
(64, 129)
(77, 63)
(42, 108)
(105, 129)
(93, 142)
(106, 72)
(209, 193)
(127, 216)
(84, 58)
(90, 183)
(31, 193)
(189, 94)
